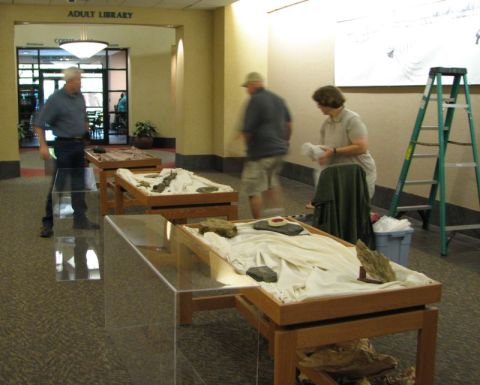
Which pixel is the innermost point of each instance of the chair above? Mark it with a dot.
(342, 204)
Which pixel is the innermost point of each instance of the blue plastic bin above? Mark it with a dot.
(395, 245)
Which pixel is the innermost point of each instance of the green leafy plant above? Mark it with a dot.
(145, 128)
(21, 131)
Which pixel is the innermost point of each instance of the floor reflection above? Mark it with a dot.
(76, 258)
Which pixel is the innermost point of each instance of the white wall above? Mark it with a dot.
(300, 46)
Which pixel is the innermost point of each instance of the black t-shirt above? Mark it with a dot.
(266, 123)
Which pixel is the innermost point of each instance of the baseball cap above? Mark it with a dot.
(252, 77)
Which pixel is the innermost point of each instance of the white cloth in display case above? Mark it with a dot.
(307, 265)
(185, 182)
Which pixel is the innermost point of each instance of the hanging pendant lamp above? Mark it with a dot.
(83, 48)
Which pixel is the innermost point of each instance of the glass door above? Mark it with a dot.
(28, 95)
(117, 96)
(92, 89)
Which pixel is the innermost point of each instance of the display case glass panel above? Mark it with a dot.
(154, 289)
(76, 227)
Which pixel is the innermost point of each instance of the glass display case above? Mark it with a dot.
(75, 203)
(155, 289)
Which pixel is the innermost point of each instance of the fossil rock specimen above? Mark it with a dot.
(143, 184)
(375, 263)
(165, 182)
(356, 359)
(218, 226)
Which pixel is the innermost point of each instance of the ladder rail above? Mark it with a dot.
(443, 136)
(444, 129)
(411, 147)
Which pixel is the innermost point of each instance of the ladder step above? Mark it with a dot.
(433, 128)
(421, 181)
(425, 155)
(414, 208)
(462, 227)
(447, 71)
(448, 105)
(471, 164)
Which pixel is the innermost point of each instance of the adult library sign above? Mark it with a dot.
(100, 14)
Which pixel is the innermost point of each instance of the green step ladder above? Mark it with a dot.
(448, 103)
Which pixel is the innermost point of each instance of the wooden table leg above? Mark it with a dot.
(184, 277)
(103, 193)
(426, 348)
(118, 199)
(285, 348)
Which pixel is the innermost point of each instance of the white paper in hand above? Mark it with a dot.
(312, 151)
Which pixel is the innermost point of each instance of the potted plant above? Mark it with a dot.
(21, 132)
(144, 133)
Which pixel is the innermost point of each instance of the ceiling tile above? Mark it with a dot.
(64, 2)
(40, 2)
(211, 4)
(173, 4)
(141, 3)
(115, 2)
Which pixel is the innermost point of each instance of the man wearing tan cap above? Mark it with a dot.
(267, 130)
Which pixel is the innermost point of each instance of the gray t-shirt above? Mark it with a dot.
(340, 132)
(64, 114)
(266, 119)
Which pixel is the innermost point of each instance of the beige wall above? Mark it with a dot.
(219, 81)
(8, 90)
(301, 59)
(178, 85)
(198, 86)
(149, 97)
(241, 37)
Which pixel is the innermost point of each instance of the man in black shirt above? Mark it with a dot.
(267, 131)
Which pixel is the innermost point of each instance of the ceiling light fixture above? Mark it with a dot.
(83, 48)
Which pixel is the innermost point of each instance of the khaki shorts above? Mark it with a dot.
(261, 175)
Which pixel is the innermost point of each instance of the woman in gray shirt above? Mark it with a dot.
(343, 136)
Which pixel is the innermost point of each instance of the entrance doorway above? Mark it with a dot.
(104, 80)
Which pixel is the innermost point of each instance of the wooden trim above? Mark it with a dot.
(426, 348)
(370, 326)
(285, 349)
(213, 303)
(150, 162)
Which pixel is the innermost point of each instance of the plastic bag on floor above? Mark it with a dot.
(388, 224)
